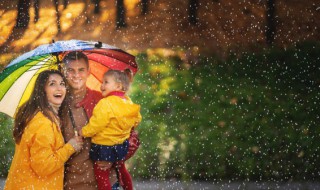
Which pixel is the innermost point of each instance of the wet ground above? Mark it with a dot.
(175, 185)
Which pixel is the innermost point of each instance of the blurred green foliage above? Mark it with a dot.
(6, 144)
(252, 117)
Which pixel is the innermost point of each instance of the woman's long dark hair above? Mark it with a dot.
(37, 102)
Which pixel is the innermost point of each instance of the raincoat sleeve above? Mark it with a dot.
(45, 158)
(100, 119)
(138, 120)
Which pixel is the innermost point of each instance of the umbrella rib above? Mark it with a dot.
(96, 77)
(37, 64)
(46, 65)
(35, 67)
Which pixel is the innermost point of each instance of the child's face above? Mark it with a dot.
(109, 85)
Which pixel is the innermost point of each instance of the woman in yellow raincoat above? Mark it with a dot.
(40, 151)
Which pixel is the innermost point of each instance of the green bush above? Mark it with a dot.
(253, 117)
(6, 144)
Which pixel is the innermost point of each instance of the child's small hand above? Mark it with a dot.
(78, 131)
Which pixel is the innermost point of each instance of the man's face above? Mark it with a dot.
(77, 73)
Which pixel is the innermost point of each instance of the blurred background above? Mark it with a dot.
(229, 89)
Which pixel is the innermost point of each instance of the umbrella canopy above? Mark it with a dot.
(18, 78)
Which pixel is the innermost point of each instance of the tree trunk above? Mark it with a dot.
(193, 10)
(65, 4)
(23, 17)
(36, 10)
(96, 7)
(144, 4)
(56, 5)
(271, 22)
(87, 10)
(121, 14)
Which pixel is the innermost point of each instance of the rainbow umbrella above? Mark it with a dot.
(18, 78)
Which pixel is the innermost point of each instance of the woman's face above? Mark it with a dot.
(55, 89)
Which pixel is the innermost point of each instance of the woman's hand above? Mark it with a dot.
(76, 142)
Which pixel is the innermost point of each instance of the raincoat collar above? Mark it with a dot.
(120, 94)
(87, 98)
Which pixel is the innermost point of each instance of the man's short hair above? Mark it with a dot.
(75, 55)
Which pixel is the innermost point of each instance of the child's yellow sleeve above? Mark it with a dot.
(99, 120)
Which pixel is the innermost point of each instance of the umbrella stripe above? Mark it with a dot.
(97, 69)
(16, 92)
(10, 69)
(7, 82)
(27, 92)
(113, 63)
(93, 83)
(115, 53)
(122, 56)
(111, 59)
